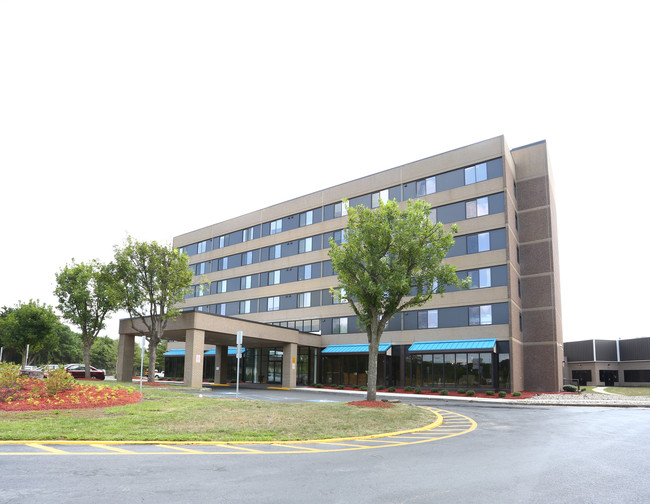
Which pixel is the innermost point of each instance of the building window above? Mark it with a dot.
(202, 290)
(481, 278)
(307, 218)
(304, 272)
(247, 234)
(477, 173)
(483, 242)
(433, 215)
(273, 303)
(222, 286)
(340, 325)
(304, 300)
(247, 258)
(428, 319)
(245, 306)
(246, 282)
(274, 277)
(221, 309)
(341, 298)
(341, 209)
(305, 245)
(477, 208)
(276, 226)
(275, 252)
(224, 263)
(480, 315)
(202, 247)
(426, 186)
(376, 197)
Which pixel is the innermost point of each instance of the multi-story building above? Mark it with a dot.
(272, 267)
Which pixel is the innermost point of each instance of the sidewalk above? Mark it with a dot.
(583, 399)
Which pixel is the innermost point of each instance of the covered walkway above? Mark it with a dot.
(198, 329)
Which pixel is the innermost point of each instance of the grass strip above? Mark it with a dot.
(172, 415)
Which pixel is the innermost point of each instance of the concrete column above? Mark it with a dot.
(289, 364)
(125, 358)
(194, 345)
(221, 364)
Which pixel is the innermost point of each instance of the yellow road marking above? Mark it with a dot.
(447, 425)
(48, 449)
(112, 448)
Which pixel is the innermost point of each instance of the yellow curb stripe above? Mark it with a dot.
(184, 450)
(48, 449)
(113, 449)
(278, 388)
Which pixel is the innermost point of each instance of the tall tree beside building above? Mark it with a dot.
(390, 260)
(153, 280)
(29, 324)
(87, 295)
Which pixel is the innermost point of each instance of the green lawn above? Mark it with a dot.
(171, 415)
(630, 391)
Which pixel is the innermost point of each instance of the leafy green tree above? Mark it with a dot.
(391, 260)
(30, 324)
(104, 354)
(68, 349)
(153, 281)
(87, 294)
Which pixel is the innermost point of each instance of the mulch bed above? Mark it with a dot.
(371, 404)
(33, 397)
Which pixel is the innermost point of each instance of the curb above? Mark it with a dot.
(516, 402)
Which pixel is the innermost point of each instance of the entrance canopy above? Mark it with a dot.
(473, 345)
(198, 329)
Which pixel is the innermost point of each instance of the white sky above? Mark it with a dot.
(127, 116)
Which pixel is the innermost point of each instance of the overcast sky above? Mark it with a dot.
(155, 118)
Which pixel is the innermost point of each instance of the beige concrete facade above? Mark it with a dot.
(530, 294)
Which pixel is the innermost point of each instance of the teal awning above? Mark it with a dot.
(180, 352)
(471, 345)
(357, 349)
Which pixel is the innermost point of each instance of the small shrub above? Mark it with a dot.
(340, 387)
(391, 389)
(434, 390)
(363, 387)
(502, 393)
(444, 392)
(461, 391)
(10, 380)
(355, 387)
(319, 385)
(59, 380)
(489, 392)
(408, 389)
(380, 387)
(570, 388)
(470, 393)
(516, 394)
(417, 391)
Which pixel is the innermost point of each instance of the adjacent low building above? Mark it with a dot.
(272, 267)
(609, 362)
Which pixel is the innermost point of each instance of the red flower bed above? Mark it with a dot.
(34, 397)
(371, 404)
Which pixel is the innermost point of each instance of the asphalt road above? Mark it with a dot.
(516, 455)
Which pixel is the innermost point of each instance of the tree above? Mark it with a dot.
(68, 348)
(87, 294)
(153, 281)
(390, 260)
(30, 324)
(104, 354)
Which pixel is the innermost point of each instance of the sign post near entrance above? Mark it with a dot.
(240, 339)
